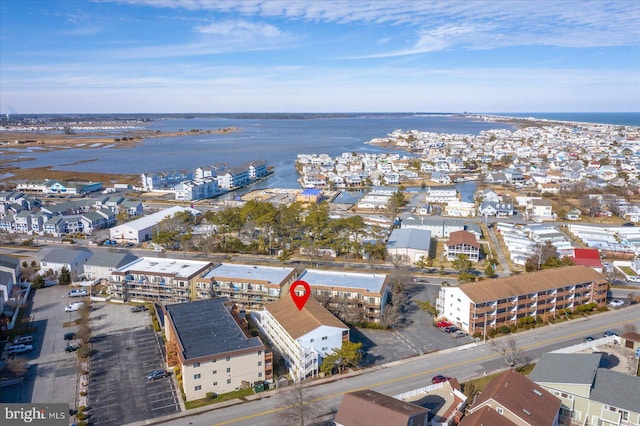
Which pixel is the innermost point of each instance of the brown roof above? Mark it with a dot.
(371, 408)
(300, 322)
(463, 237)
(517, 285)
(522, 397)
(634, 337)
(486, 416)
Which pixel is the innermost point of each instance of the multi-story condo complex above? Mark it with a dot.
(476, 307)
(303, 337)
(160, 280)
(211, 346)
(248, 286)
(355, 297)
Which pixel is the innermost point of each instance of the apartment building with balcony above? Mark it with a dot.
(304, 337)
(210, 344)
(159, 280)
(355, 297)
(250, 287)
(479, 306)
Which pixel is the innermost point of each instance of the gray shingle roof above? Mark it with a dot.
(566, 368)
(9, 261)
(62, 255)
(108, 259)
(418, 239)
(617, 389)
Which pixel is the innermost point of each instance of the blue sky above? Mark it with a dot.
(160, 56)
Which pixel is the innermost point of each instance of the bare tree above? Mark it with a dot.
(299, 405)
(509, 350)
(16, 366)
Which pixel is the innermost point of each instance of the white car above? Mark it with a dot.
(22, 339)
(78, 293)
(72, 307)
(18, 349)
(616, 303)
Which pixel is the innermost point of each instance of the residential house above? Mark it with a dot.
(541, 209)
(368, 407)
(211, 346)
(409, 245)
(304, 336)
(72, 259)
(142, 229)
(310, 195)
(589, 393)
(258, 169)
(158, 280)
(458, 208)
(133, 208)
(248, 286)
(441, 194)
(478, 306)
(517, 400)
(9, 275)
(589, 257)
(101, 264)
(462, 242)
(355, 297)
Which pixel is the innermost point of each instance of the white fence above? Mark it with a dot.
(587, 345)
(420, 391)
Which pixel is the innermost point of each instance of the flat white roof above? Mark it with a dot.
(270, 274)
(369, 282)
(152, 219)
(164, 266)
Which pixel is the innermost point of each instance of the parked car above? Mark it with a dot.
(451, 329)
(616, 303)
(72, 348)
(628, 224)
(69, 336)
(72, 307)
(439, 379)
(157, 374)
(458, 334)
(139, 308)
(19, 349)
(22, 339)
(609, 333)
(78, 293)
(443, 323)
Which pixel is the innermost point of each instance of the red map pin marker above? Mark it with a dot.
(300, 300)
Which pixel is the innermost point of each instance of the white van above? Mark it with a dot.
(72, 307)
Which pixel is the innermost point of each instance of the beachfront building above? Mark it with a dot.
(198, 189)
(163, 180)
(210, 344)
(142, 229)
(354, 297)
(248, 286)
(479, 306)
(303, 336)
(158, 280)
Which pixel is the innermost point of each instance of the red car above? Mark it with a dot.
(443, 323)
(439, 379)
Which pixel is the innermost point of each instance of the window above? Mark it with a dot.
(326, 348)
(259, 352)
(215, 371)
(228, 381)
(259, 374)
(198, 388)
(229, 370)
(324, 338)
(213, 360)
(259, 363)
(499, 410)
(311, 340)
(196, 365)
(196, 376)
(228, 358)
(215, 383)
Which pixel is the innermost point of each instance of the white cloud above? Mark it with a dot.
(240, 29)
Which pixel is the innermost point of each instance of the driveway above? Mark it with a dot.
(416, 337)
(125, 348)
(53, 375)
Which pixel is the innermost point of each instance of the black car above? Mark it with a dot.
(139, 308)
(69, 336)
(451, 329)
(628, 224)
(157, 374)
(72, 348)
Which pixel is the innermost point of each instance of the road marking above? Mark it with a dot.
(427, 372)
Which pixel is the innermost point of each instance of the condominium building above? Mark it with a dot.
(355, 297)
(478, 306)
(209, 343)
(303, 336)
(248, 286)
(160, 280)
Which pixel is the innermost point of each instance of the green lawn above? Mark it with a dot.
(224, 397)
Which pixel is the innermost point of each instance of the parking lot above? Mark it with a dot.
(417, 336)
(125, 350)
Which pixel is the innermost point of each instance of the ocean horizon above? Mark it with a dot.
(612, 118)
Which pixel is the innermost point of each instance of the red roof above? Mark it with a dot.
(587, 257)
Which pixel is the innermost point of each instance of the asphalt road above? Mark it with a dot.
(470, 361)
